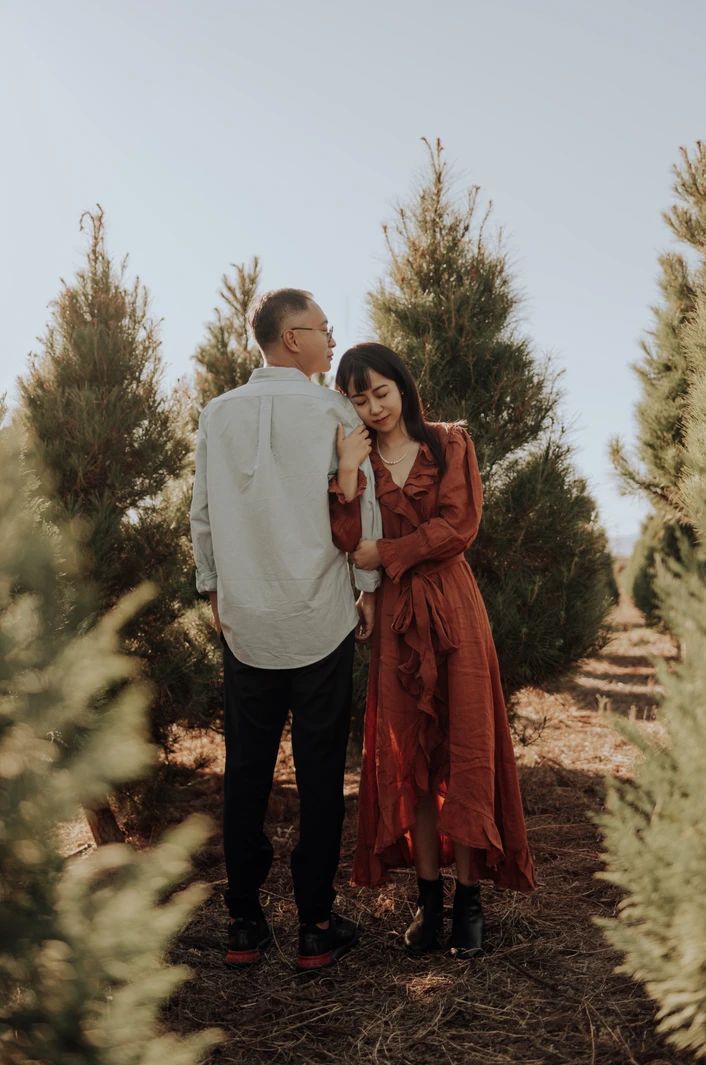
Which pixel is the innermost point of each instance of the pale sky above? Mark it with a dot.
(215, 131)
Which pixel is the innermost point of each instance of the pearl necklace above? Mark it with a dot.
(393, 462)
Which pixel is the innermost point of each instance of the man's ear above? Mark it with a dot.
(289, 339)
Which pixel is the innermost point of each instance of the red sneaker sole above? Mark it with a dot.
(243, 957)
(316, 961)
(321, 961)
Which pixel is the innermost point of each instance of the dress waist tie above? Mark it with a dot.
(421, 620)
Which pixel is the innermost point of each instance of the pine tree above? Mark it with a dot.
(228, 355)
(450, 308)
(659, 539)
(654, 826)
(664, 374)
(116, 449)
(692, 487)
(654, 834)
(82, 980)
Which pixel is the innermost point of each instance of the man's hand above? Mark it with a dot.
(366, 555)
(366, 612)
(213, 596)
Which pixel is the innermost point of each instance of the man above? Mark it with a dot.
(284, 607)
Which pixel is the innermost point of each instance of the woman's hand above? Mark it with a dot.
(366, 555)
(352, 450)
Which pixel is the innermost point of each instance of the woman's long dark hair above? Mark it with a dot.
(353, 375)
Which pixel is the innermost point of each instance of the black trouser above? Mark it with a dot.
(257, 702)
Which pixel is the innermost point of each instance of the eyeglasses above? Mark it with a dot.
(316, 329)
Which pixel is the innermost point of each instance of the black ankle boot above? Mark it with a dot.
(467, 922)
(424, 932)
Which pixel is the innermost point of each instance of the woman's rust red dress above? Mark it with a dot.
(435, 717)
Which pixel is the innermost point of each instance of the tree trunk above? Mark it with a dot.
(102, 823)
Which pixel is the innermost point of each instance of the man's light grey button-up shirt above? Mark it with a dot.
(260, 521)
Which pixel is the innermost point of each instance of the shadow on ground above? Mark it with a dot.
(546, 993)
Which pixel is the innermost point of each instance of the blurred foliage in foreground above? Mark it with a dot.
(655, 826)
(82, 976)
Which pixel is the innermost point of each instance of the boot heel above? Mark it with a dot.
(467, 926)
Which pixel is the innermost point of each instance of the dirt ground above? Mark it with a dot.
(547, 992)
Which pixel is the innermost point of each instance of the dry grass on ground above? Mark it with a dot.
(546, 993)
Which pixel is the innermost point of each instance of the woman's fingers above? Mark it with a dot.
(364, 438)
(355, 447)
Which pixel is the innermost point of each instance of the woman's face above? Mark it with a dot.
(380, 406)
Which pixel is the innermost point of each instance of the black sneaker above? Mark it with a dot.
(247, 941)
(320, 947)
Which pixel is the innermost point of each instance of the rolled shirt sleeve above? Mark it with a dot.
(206, 576)
(368, 580)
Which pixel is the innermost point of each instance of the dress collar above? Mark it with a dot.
(423, 475)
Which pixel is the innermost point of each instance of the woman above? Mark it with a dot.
(438, 780)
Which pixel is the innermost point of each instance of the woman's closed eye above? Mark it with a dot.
(361, 403)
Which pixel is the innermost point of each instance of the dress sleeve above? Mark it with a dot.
(455, 526)
(346, 523)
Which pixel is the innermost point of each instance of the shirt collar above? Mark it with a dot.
(278, 373)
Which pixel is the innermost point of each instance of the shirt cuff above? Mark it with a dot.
(335, 489)
(206, 582)
(366, 580)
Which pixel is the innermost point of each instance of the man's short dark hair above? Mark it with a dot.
(271, 310)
